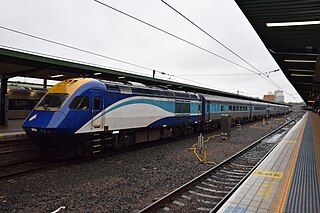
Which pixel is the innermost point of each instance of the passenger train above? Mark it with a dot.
(21, 100)
(84, 115)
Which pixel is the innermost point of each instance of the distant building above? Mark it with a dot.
(279, 97)
(269, 97)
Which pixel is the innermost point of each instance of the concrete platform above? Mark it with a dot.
(288, 179)
(13, 130)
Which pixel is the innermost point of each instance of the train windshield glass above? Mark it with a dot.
(52, 101)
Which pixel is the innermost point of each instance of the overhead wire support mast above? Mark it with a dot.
(263, 75)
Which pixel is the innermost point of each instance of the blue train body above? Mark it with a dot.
(84, 114)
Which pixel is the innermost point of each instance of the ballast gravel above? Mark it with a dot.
(126, 182)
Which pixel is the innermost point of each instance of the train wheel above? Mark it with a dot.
(82, 150)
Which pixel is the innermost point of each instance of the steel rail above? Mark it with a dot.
(184, 188)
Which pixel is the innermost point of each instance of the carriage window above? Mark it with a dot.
(222, 108)
(182, 107)
(113, 88)
(230, 108)
(80, 102)
(96, 103)
(19, 104)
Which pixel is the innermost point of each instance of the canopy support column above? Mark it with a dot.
(3, 101)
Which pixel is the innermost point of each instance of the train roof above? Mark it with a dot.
(148, 91)
(218, 98)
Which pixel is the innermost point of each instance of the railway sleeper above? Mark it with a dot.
(222, 183)
(219, 188)
(250, 156)
(210, 202)
(244, 170)
(234, 177)
(192, 204)
(213, 191)
(228, 177)
(240, 165)
(198, 192)
(202, 200)
(232, 172)
(251, 162)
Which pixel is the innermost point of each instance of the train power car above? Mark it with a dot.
(84, 115)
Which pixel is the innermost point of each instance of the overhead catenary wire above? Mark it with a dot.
(69, 59)
(192, 44)
(186, 79)
(228, 74)
(96, 54)
(175, 36)
(71, 47)
(205, 32)
(262, 74)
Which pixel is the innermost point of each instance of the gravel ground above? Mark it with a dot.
(127, 182)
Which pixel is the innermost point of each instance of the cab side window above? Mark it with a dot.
(80, 103)
(96, 103)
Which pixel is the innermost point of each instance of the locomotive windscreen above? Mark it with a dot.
(52, 101)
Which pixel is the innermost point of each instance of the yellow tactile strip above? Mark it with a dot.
(284, 189)
(261, 192)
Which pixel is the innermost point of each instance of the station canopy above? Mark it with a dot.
(290, 30)
(27, 64)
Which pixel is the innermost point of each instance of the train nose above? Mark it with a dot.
(46, 119)
(44, 123)
(47, 128)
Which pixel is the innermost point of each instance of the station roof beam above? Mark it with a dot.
(290, 30)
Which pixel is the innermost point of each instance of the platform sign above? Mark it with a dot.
(268, 174)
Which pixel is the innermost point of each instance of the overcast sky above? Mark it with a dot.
(93, 27)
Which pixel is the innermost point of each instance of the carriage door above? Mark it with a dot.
(97, 106)
(208, 111)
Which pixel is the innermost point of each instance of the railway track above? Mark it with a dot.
(22, 157)
(15, 143)
(207, 192)
(23, 167)
(18, 150)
